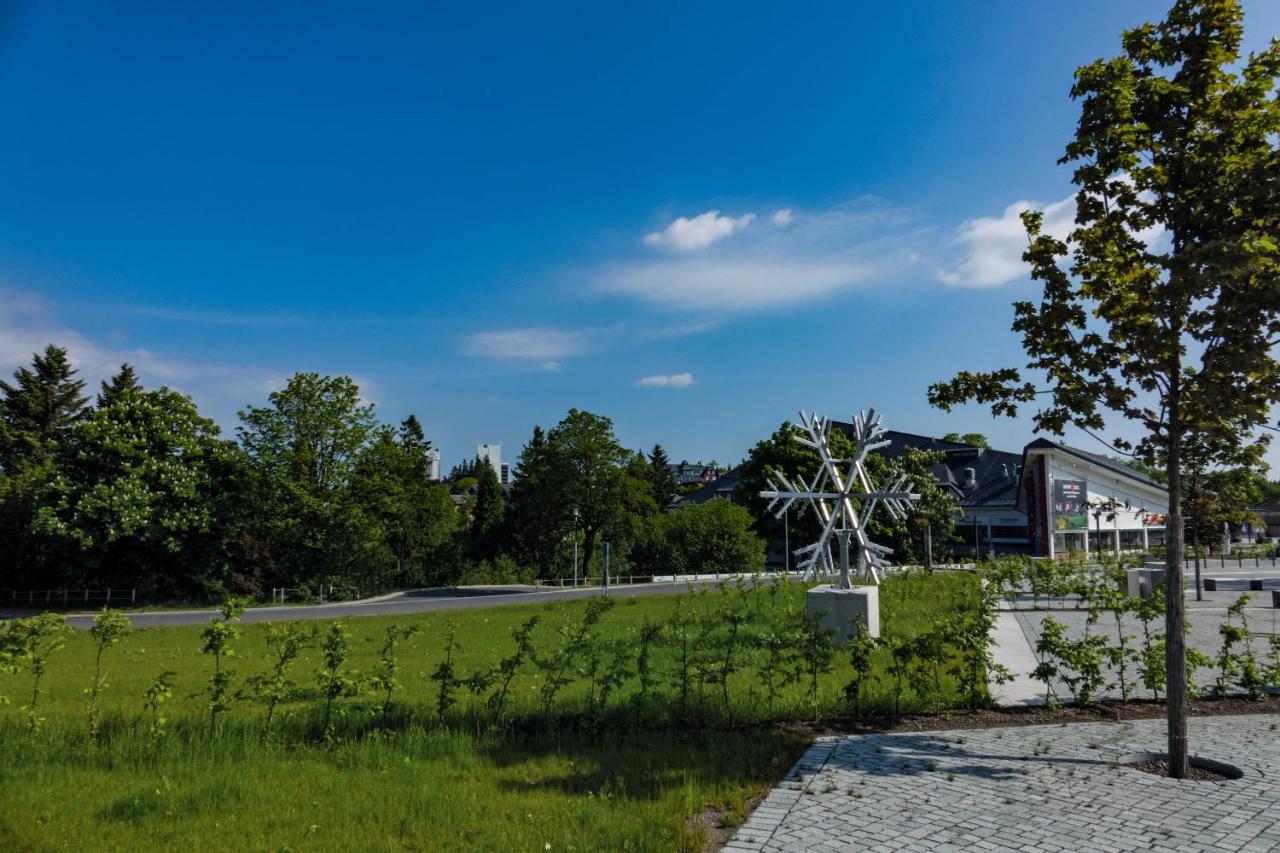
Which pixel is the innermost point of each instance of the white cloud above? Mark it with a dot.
(815, 255)
(691, 235)
(544, 344)
(992, 247)
(675, 380)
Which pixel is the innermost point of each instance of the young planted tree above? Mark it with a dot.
(510, 666)
(218, 636)
(384, 671)
(446, 673)
(1162, 306)
(109, 628)
(37, 638)
(156, 694)
(286, 642)
(335, 681)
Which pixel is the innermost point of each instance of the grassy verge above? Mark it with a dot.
(587, 774)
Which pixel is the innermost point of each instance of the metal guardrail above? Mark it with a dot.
(48, 598)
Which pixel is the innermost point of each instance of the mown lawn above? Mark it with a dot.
(586, 776)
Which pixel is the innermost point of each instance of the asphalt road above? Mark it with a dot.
(412, 601)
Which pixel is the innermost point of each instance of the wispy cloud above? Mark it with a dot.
(692, 234)
(804, 256)
(991, 247)
(544, 344)
(28, 324)
(675, 380)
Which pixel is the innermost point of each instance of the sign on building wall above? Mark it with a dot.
(1069, 505)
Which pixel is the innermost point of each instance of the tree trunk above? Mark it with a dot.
(1175, 620)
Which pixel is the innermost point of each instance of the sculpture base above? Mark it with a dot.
(846, 610)
(1142, 582)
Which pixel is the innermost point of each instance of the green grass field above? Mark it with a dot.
(585, 777)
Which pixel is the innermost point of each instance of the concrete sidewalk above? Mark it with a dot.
(1014, 653)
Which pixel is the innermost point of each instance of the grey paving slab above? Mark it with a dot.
(1037, 788)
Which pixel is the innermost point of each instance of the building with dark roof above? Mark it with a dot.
(1050, 499)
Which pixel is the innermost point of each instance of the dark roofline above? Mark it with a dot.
(1095, 459)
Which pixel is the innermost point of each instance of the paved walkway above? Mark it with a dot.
(412, 601)
(1036, 788)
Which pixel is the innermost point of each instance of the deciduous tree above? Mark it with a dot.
(1162, 305)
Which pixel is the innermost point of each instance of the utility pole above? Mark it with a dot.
(606, 568)
(786, 541)
(928, 545)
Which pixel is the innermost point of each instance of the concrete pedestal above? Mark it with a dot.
(844, 610)
(1142, 582)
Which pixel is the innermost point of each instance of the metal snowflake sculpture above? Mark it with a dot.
(843, 498)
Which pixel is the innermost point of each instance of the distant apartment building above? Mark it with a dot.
(433, 465)
(493, 453)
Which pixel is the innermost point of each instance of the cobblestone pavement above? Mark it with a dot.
(1036, 788)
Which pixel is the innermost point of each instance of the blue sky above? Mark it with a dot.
(694, 218)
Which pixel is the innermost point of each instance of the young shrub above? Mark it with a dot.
(925, 676)
(1232, 635)
(1253, 678)
(218, 636)
(576, 640)
(1151, 663)
(1051, 652)
(901, 658)
(812, 655)
(683, 632)
(286, 642)
(383, 678)
(334, 681)
(156, 694)
(37, 638)
(971, 636)
(734, 614)
(772, 672)
(861, 648)
(650, 633)
(510, 666)
(446, 675)
(1120, 655)
(109, 628)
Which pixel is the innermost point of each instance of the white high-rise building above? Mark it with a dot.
(492, 452)
(433, 465)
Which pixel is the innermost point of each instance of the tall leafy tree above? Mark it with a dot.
(112, 389)
(414, 517)
(146, 493)
(303, 448)
(1162, 306)
(589, 463)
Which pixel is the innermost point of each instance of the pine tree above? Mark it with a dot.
(487, 517)
(41, 407)
(538, 517)
(123, 382)
(664, 485)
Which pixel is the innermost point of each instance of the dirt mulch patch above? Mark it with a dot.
(1160, 767)
(988, 718)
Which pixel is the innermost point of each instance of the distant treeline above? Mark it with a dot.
(136, 489)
